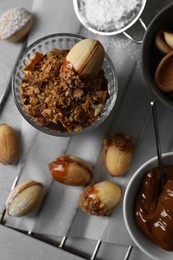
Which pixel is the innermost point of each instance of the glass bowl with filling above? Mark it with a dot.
(56, 102)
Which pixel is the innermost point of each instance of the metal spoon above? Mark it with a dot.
(156, 129)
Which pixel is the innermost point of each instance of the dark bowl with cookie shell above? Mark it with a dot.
(45, 45)
(152, 56)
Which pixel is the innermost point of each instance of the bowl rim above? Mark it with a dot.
(47, 130)
(149, 81)
(107, 33)
(142, 169)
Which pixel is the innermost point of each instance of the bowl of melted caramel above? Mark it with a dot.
(148, 209)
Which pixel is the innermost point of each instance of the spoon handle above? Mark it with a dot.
(156, 129)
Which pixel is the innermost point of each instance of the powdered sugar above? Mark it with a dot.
(12, 21)
(110, 14)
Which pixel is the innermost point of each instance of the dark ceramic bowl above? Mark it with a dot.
(151, 56)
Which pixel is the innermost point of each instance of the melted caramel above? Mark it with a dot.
(154, 208)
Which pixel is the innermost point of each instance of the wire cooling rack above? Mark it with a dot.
(62, 243)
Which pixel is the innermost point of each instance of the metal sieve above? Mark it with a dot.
(111, 29)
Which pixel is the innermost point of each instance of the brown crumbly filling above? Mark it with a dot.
(90, 202)
(61, 100)
(122, 141)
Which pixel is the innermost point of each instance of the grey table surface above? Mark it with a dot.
(51, 17)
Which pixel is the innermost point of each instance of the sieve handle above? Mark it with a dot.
(131, 38)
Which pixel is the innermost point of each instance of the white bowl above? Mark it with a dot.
(147, 246)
